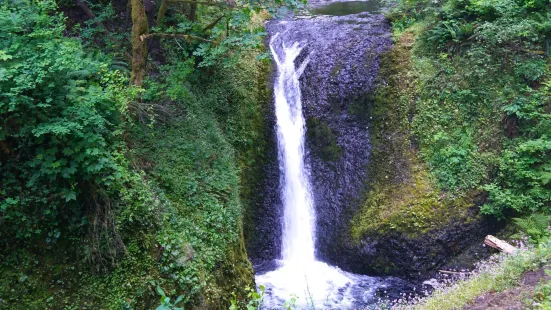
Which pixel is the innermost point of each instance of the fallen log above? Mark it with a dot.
(459, 273)
(498, 244)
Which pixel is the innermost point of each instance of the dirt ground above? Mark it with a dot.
(513, 298)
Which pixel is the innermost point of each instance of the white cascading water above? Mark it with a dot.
(300, 274)
(298, 220)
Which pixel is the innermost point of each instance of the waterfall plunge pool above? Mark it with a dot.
(343, 8)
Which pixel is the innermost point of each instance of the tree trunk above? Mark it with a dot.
(192, 11)
(139, 48)
(84, 7)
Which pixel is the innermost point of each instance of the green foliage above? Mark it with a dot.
(459, 167)
(524, 175)
(220, 33)
(166, 304)
(541, 298)
(404, 196)
(62, 116)
(451, 34)
(200, 139)
(255, 300)
(535, 226)
(171, 203)
(482, 113)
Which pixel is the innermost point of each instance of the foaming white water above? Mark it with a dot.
(318, 284)
(298, 217)
(300, 274)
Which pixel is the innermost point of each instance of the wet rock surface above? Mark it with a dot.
(418, 257)
(344, 54)
(343, 67)
(262, 225)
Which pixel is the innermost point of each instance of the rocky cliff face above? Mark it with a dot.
(342, 72)
(343, 66)
(378, 210)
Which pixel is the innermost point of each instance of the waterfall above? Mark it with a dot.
(299, 273)
(299, 218)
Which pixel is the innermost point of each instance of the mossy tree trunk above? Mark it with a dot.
(139, 47)
(192, 14)
(162, 12)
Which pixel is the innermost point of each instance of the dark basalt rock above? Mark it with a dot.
(398, 254)
(263, 214)
(344, 53)
(343, 67)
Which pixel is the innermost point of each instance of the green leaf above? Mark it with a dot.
(4, 56)
(160, 291)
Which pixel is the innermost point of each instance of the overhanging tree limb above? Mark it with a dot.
(218, 4)
(175, 35)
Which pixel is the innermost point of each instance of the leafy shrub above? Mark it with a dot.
(451, 35)
(532, 70)
(456, 162)
(63, 155)
(524, 171)
(482, 114)
(524, 175)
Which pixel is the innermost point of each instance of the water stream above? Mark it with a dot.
(311, 45)
(299, 273)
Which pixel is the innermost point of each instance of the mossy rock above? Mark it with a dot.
(322, 139)
(405, 224)
(414, 207)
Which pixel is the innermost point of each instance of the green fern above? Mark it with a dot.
(535, 226)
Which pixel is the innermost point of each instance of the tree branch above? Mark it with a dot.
(84, 7)
(175, 35)
(211, 25)
(499, 244)
(219, 4)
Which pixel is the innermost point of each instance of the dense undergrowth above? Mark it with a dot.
(482, 111)
(113, 196)
(466, 102)
(461, 120)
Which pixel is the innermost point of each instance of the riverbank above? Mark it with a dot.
(505, 281)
